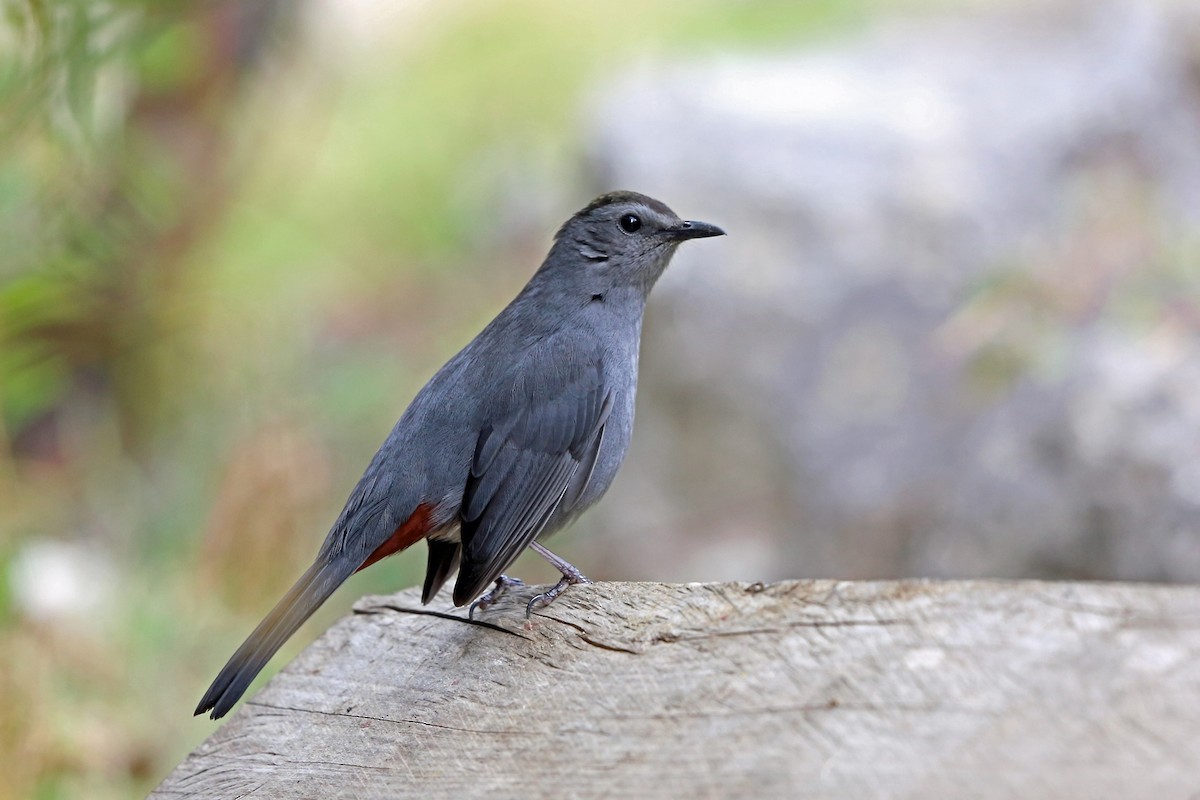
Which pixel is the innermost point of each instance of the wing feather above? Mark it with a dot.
(525, 463)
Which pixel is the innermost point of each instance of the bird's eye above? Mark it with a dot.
(630, 223)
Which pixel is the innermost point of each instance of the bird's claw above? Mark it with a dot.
(546, 598)
(493, 594)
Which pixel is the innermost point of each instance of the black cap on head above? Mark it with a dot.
(623, 198)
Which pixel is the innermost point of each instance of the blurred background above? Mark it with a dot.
(953, 331)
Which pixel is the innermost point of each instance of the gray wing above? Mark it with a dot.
(527, 463)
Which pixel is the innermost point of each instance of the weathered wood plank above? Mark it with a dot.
(796, 689)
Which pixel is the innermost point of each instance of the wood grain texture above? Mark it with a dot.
(795, 689)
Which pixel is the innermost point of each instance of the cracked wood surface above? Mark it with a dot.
(795, 689)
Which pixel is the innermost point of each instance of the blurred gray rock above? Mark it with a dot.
(953, 330)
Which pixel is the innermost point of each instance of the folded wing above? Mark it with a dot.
(531, 460)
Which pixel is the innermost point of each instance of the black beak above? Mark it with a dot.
(690, 229)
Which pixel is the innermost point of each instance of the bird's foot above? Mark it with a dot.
(570, 576)
(493, 594)
(547, 597)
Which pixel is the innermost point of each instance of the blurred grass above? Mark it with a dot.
(234, 247)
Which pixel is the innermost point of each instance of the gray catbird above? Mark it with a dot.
(514, 437)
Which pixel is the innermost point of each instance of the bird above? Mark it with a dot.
(512, 439)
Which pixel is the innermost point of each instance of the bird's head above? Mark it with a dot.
(623, 239)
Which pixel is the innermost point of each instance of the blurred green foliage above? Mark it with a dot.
(234, 244)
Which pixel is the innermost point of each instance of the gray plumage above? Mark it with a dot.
(516, 435)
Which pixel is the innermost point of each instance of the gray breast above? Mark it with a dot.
(618, 431)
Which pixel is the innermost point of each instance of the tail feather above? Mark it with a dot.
(443, 559)
(314, 588)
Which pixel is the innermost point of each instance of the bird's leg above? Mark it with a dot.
(493, 594)
(570, 576)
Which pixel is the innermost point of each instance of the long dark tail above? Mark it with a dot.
(313, 589)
